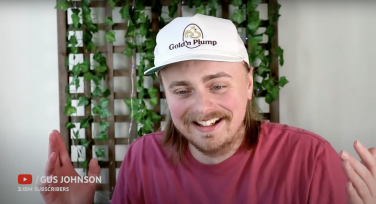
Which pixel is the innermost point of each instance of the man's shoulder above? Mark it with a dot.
(276, 131)
(151, 140)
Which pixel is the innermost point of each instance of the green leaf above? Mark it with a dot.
(104, 126)
(69, 125)
(110, 36)
(280, 54)
(85, 122)
(69, 110)
(75, 20)
(201, 9)
(142, 18)
(90, 46)
(69, 100)
(84, 66)
(172, 10)
(131, 31)
(97, 92)
(82, 101)
(252, 5)
(213, 5)
(102, 136)
(128, 52)
(101, 69)
(84, 165)
(236, 2)
(269, 98)
(105, 113)
(100, 153)
(154, 116)
(67, 61)
(196, 3)
(274, 92)
(84, 143)
(96, 79)
(132, 103)
(72, 40)
(75, 82)
(131, 44)
(73, 50)
(149, 55)
(76, 70)
(103, 102)
(144, 29)
(98, 57)
(88, 76)
(76, 134)
(62, 5)
(238, 16)
(161, 22)
(97, 110)
(269, 30)
(283, 81)
(263, 69)
(254, 25)
(106, 92)
(112, 4)
(150, 44)
(108, 21)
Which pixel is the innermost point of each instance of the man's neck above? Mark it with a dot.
(216, 158)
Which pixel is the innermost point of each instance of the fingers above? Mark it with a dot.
(51, 164)
(52, 147)
(352, 194)
(373, 152)
(63, 154)
(358, 183)
(94, 168)
(367, 158)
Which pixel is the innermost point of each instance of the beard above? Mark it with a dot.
(213, 144)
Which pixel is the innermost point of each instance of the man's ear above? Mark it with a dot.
(250, 83)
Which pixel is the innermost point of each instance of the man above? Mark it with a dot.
(215, 147)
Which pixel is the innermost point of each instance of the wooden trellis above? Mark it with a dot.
(109, 49)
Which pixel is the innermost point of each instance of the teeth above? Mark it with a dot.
(208, 122)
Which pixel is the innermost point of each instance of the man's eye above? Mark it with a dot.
(217, 87)
(181, 92)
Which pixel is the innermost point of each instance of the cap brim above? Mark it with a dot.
(186, 57)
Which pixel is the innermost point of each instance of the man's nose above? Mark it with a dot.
(203, 103)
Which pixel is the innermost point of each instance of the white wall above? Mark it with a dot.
(330, 51)
(329, 61)
(29, 104)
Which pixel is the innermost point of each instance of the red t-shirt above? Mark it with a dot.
(289, 166)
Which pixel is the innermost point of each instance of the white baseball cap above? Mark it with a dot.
(199, 37)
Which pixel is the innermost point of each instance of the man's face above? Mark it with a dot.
(207, 101)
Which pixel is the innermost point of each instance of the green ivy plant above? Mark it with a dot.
(248, 17)
(92, 73)
(139, 27)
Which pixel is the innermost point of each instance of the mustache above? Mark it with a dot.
(191, 117)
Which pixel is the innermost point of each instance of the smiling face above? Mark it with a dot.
(207, 101)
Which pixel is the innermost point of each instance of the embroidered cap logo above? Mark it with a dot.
(193, 37)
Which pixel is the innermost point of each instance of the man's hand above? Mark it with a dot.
(59, 164)
(361, 188)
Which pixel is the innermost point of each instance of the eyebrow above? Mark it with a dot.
(204, 79)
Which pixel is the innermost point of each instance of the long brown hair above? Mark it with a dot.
(252, 121)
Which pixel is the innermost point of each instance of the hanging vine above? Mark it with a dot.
(248, 17)
(92, 74)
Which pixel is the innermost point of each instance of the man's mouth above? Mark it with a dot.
(210, 122)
